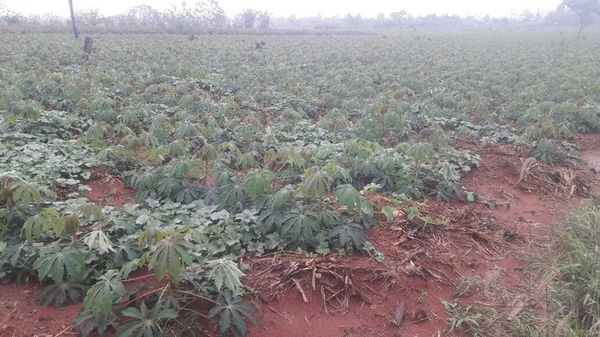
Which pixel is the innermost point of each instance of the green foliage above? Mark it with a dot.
(170, 255)
(146, 323)
(349, 235)
(225, 166)
(317, 182)
(97, 240)
(101, 296)
(348, 196)
(232, 313)
(59, 263)
(230, 190)
(546, 150)
(257, 182)
(39, 224)
(61, 293)
(299, 228)
(281, 198)
(226, 273)
(421, 151)
(463, 317)
(578, 285)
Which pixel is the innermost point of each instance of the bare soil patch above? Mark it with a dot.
(22, 315)
(108, 190)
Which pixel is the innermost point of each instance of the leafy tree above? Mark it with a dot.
(144, 16)
(211, 13)
(264, 20)
(248, 18)
(585, 9)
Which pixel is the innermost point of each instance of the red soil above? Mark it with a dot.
(107, 190)
(22, 315)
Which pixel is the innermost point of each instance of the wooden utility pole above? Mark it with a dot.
(75, 32)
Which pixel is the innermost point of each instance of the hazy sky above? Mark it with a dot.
(367, 8)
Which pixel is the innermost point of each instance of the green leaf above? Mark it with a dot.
(247, 160)
(26, 193)
(97, 240)
(337, 173)
(230, 190)
(299, 228)
(348, 196)
(226, 273)
(146, 323)
(290, 157)
(171, 256)
(56, 262)
(232, 314)
(349, 234)
(449, 172)
(101, 296)
(282, 197)
(421, 151)
(317, 181)
(257, 182)
(37, 225)
(60, 293)
(388, 211)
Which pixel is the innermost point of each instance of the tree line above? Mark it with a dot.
(209, 15)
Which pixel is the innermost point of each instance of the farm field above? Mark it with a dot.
(300, 185)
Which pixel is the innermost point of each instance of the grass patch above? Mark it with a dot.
(579, 275)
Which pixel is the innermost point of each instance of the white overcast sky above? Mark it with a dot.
(367, 8)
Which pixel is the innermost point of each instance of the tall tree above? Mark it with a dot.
(585, 9)
(248, 17)
(75, 32)
(264, 20)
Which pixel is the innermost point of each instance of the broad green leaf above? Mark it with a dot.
(257, 182)
(232, 314)
(349, 234)
(421, 151)
(348, 196)
(97, 240)
(317, 181)
(101, 296)
(59, 263)
(226, 273)
(171, 256)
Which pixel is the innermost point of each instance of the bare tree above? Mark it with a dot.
(75, 32)
(585, 9)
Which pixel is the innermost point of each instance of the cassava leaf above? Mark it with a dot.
(171, 255)
(226, 273)
(59, 263)
(232, 315)
(257, 182)
(61, 293)
(349, 234)
(101, 296)
(299, 227)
